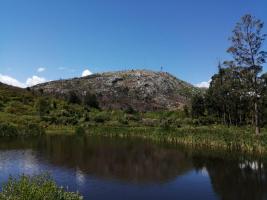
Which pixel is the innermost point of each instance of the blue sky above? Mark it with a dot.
(65, 37)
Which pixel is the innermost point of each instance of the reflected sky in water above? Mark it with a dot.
(104, 168)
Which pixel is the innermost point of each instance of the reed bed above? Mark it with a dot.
(217, 137)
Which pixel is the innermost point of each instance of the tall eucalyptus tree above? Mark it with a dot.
(247, 42)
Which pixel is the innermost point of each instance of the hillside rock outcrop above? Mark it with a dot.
(141, 90)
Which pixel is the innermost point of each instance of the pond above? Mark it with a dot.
(106, 168)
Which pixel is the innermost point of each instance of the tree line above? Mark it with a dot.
(237, 94)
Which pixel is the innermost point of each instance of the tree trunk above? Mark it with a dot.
(230, 119)
(257, 128)
(224, 118)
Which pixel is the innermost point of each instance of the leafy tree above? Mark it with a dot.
(197, 106)
(264, 100)
(246, 48)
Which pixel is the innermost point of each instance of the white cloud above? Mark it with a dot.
(86, 72)
(34, 80)
(204, 84)
(11, 81)
(41, 69)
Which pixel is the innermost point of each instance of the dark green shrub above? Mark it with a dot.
(40, 187)
(1, 105)
(166, 123)
(186, 111)
(133, 117)
(62, 120)
(123, 120)
(79, 130)
(90, 100)
(27, 129)
(183, 122)
(101, 117)
(198, 106)
(8, 130)
(150, 122)
(31, 129)
(203, 121)
(73, 98)
(130, 110)
(42, 106)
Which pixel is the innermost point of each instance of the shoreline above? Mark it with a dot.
(209, 137)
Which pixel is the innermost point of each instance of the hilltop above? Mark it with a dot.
(141, 90)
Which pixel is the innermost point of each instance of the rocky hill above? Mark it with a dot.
(141, 90)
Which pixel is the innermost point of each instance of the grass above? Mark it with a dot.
(211, 137)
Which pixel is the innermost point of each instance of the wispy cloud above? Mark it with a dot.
(34, 80)
(86, 72)
(41, 69)
(204, 84)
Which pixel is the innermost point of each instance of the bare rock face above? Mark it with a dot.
(141, 90)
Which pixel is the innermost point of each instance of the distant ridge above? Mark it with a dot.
(142, 90)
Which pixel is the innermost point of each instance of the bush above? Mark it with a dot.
(1, 105)
(186, 111)
(73, 98)
(8, 130)
(31, 129)
(16, 108)
(40, 187)
(166, 123)
(79, 130)
(28, 129)
(130, 110)
(150, 122)
(134, 117)
(203, 121)
(183, 122)
(101, 117)
(90, 100)
(123, 120)
(42, 106)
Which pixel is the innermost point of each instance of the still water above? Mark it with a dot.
(105, 168)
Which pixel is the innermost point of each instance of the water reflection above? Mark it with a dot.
(236, 178)
(175, 172)
(132, 161)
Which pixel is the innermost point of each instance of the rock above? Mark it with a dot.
(141, 90)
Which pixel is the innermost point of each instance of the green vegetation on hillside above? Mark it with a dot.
(48, 112)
